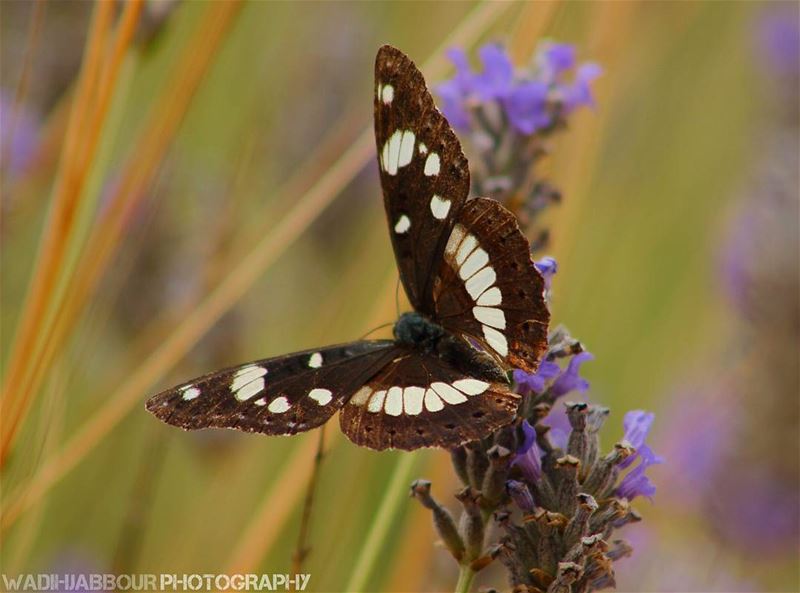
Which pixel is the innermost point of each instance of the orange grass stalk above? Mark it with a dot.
(86, 118)
(138, 171)
(56, 232)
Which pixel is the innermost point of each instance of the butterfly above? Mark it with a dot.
(478, 300)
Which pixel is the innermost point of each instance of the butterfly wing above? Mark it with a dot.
(419, 400)
(487, 287)
(424, 174)
(464, 264)
(280, 396)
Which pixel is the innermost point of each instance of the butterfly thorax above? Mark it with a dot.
(412, 329)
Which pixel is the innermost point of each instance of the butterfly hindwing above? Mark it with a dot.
(488, 288)
(282, 395)
(424, 174)
(419, 400)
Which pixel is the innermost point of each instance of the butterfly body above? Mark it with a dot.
(478, 303)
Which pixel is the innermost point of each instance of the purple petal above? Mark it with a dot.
(579, 93)
(454, 104)
(495, 81)
(570, 380)
(526, 107)
(529, 455)
(637, 424)
(536, 382)
(556, 58)
(547, 267)
(779, 40)
(560, 427)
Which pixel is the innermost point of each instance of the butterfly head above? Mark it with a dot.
(414, 330)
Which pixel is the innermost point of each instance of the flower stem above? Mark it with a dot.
(465, 576)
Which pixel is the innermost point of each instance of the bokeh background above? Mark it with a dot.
(194, 186)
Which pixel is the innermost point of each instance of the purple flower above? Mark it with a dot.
(18, 137)
(559, 427)
(555, 59)
(636, 483)
(529, 455)
(527, 97)
(570, 380)
(637, 424)
(547, 267)
(579, 93)
(455, 92)
(536, 382)
(526, 107)
(495, 81)
(779, 40)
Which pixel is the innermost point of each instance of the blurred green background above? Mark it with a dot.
(651, 181)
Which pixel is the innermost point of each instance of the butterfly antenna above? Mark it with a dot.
(374, 329)
(397, 297)
(303, 547)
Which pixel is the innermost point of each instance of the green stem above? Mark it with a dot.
(387, 512)
(465, 576)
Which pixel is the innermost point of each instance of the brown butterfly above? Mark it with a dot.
(478, 301)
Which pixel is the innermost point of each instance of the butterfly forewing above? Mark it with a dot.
(282, 395)
(424, 174)
(418, 400)
(488, 288)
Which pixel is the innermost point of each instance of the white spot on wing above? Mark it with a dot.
(403, 224)
(456, 237)
(385, 155)
(260, 402)
(474, 262)
(245, 375)
(491, 297)
(394, 401)
(315, 361)
(387, 94)
(412, 400)
(394, 152)
(189, 393)
(279, 405)
(433, 403)
(321, 396)
(448, 393)
(432, 164)
(397, 151)
(439, 207)
(422, 148)
(253, 388)
(470, 243)
(375, 404)
(490, 316)
(361, 396)
(406, 149)
(496, 340)
(480, 282)
(471, 386)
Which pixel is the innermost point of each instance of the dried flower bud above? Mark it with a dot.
(521, 495)
(568, 573)
(493, 489)
(472, 526)
(442, 518)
